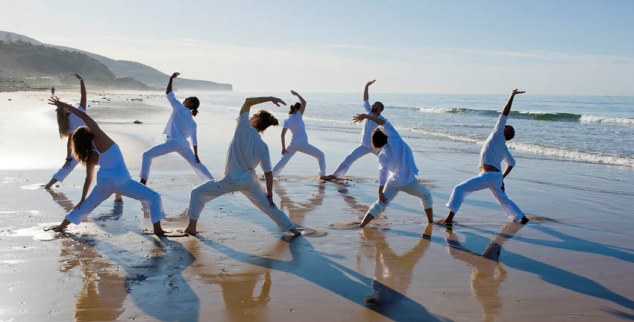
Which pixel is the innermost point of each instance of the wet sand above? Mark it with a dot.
(573, 262)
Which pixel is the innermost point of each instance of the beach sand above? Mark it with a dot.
(573, 262)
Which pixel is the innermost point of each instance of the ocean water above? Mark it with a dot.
(594, 129)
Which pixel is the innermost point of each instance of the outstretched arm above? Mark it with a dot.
(246, 107)
(82, 86)
(366, 96)
(509, 103)
(169, 84)
(302, 108)
(360, 117)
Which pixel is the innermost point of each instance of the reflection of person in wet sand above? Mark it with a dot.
(103, 290)
(393, 272)
(296, 210)
(487, 274)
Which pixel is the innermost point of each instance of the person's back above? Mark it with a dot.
(397, 157)
(295, 123)
(494, 149)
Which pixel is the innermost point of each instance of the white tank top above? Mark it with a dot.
(111, 164)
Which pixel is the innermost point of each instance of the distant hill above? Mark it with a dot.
(27, 63)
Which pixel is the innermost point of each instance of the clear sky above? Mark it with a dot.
(546, 46)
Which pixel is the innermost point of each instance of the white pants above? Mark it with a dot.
(413, 188)
(301, 147)
(248, 184)
(486, 179)
(353, 156)
(129, 188)
(62, 173)
(182, 147)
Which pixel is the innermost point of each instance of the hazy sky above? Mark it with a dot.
(548, 47)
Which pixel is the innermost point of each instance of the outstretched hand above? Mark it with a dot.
(76, 75)
(358, 118)
(370, 82)
(277, 101)
(516, 91)
(294, 93)
(55, 101)
(175, 75)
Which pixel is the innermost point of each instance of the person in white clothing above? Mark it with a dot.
(493, 152)
(92, 146)
(366, 136)
(299, 141)
(67, 123)
(247, 151)
(180, 126)
(397, 169)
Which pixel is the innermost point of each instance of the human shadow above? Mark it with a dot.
(392, 272)
(314, 267)
(487, 274)
(297, 211)
(560, 277)
(150, 279)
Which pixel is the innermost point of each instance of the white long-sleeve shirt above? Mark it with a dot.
(246, 150)
(368, 126)
(181, 124)
(295, 123)
(396, 160)
(494, 149)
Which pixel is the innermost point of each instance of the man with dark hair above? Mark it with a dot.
(397, 169)
(247, 151)
(366, 144)
(493, 151)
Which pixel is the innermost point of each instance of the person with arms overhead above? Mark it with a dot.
(493, 152)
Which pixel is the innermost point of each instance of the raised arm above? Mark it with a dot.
(302, 108)
(169, 84)
(360, 117)
(246, 107)
(509, 103)
(102, 140)
(366, 96)
(82, 86)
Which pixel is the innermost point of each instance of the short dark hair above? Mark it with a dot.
(509, 132)
(379, 139)
(265, 120)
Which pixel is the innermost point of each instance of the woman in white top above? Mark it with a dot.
(180, 126)
(67, 123)
(91, 146)
(247, 151)
(299, 141)
(493, 151)
(397, 169)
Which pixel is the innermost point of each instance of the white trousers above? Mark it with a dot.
(301, 147)
(413, 188)
(358, 152)
(170, 145)
(62, 173)
(248, 185)
(486, 179)
(129, 188)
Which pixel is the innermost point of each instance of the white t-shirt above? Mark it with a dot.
(181, 124)
(495, 149)
(396, 160)
(368, 127)
(247, 150)
(295, 123)
(74, 120)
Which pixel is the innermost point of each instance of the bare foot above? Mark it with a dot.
(190, 232)
(366, 220)
(118, 198)
(143, 181)
(524, 220)
(158, 230)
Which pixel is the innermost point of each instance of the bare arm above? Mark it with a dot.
(360, 117)
(102, 141)
(268, 177)
(246, 107)
(169, 84)
(366, 96)
(302, 108)
(509, 103)
(90, 172)
(283, 140)
(507, 170)
(83, 100)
